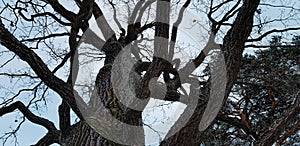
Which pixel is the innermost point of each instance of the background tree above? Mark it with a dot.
(35, 32)
(263, 99)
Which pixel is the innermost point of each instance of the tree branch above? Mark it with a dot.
(233, 46)
(175, 29)
(237, 123)
(42, 14)
(143, 9)
(270, 32)
(135, 11)
(196, 62)
(29, 115)
(289, 133)
(45, 37)
(162, 29)
(39, 67)
(271, 135)
(48, 139)
(82, 18)
(269, 46)
(115, 14)
(64, 117)
(70, 16)
(102, 23)
(279, 6)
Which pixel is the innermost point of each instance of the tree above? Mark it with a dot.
(36, 26)
(265, 95)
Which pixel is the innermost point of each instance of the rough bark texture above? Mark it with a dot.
(233, 47)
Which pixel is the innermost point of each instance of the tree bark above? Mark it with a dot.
(233, 46)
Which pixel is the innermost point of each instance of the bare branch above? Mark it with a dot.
(61, 10)
(230, 13)
(18, 75)
(11, 99)
(273, 133)
(64, 60)
(102, 23)
(279, 6)
(9, 60)
(210, 45)
(143, 9)
(115, 14)
(28, 114)
(175, 28)
(215, 8)
(38, 66)
(162, 28)
(237, 123)
(269, 46)
(45, 37)
(289, 133)
(272, 31)
(233, 46)
(64, 117)
(43, 14)
(48, 139)
(135, 11)
(82, 18)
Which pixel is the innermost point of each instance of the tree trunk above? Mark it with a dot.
(233, 46)
(86, 132)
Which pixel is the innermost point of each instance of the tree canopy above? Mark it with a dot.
(104, 60)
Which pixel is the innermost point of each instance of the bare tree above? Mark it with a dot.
(36, 29)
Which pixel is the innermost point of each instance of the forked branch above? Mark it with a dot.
(29, 115)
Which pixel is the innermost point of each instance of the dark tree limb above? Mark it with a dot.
(216, 25)
(70, 16)
(234, 40)
(84, 14)
(134, 13)
(288, 134)
(272, 134)
(230, 12)
(175, 29)
(143, 9)
(134, 27)
(48, 139)
(196, 62)
(45, 37)
(115, 14)
(269, 46)
(237, 123)
(19, 75)
(62, 63)
(100, 19)
(32, 17)
(64, 117)
(280, 6)
(162, 29)
(233, 46)
(159, 62)
(39, 67)
(102, 23)
(272, 31)
(29, 115)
